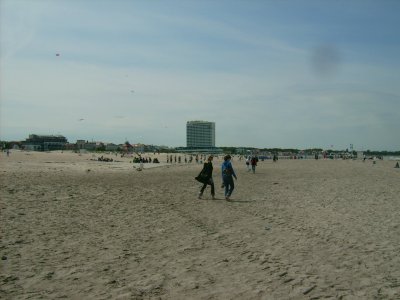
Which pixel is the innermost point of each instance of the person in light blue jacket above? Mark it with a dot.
(227, 176)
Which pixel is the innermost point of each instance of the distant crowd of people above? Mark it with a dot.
(198, 158)
(106, 159)
(146, 160)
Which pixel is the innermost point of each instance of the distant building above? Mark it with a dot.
(15, 145)
(70, 146)
(80, 144)
(139, 148)
(111, 147)
(89, 146)
(200, 138)
(200, 134)
(45, 142)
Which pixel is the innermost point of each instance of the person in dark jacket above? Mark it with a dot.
(206, 174)
(227, 176)
(254, 161)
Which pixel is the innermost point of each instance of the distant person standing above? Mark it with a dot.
(205, 177)
(8, 152)
(227, 176)
(254, 161)
(248, 164)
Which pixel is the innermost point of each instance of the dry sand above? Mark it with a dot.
(297, 229)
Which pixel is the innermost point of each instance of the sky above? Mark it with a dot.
(270, 73)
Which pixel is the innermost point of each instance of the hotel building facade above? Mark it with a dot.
(200, 134)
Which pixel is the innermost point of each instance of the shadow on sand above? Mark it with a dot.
(239, 201)
(231, 200)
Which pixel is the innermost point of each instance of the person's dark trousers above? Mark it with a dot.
(229, 185)
(210, 182)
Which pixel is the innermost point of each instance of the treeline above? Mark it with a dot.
(382, 153)
(243, 150)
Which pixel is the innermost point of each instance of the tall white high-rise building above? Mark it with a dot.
(200, 134)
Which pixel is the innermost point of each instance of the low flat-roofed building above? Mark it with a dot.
(69, 146)
(80, 144)
(111, 147)
(37, 142)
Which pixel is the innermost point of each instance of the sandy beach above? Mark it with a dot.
(75, 228)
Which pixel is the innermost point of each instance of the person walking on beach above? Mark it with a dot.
(205, 177)
(248, 163)
(227, 176)
(254, 161)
